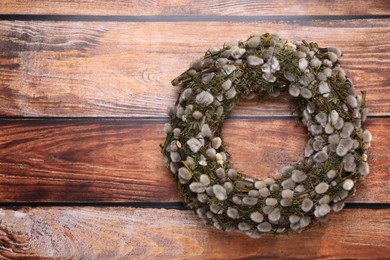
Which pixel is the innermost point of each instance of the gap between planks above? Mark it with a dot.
(181, 18)
(157, 118)
(156, 205)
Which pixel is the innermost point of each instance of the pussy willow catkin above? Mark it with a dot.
(334, 158)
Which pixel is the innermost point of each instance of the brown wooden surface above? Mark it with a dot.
(128, 233)
(202, 7)
(67, 69)
(82, 104)
(120, 160)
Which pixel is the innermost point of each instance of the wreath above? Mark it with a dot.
(324, 99)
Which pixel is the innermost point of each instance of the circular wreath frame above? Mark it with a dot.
(324, 99)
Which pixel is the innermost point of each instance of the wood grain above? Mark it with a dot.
(202, 7)
(104, 87)
(119, 160)
(128, 233)
(81, 69)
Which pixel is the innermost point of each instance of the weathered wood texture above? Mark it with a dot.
(92, 73)
(124, 69)
(202, 7)
(119, 160)
(127, 233)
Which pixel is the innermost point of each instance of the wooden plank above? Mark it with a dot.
(113, 233)
(124, 69)
(202, 7)
(120, 160)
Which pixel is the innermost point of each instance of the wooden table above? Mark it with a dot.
(84, 87)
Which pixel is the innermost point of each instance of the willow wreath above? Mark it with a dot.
(334, 159)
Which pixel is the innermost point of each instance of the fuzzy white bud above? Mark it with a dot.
(321, 188)
(254, 60)
(257, 217)
(204, 98)
(220, 192)
(194, 144)
(348, 184)
(306, 205)
(264, 227)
